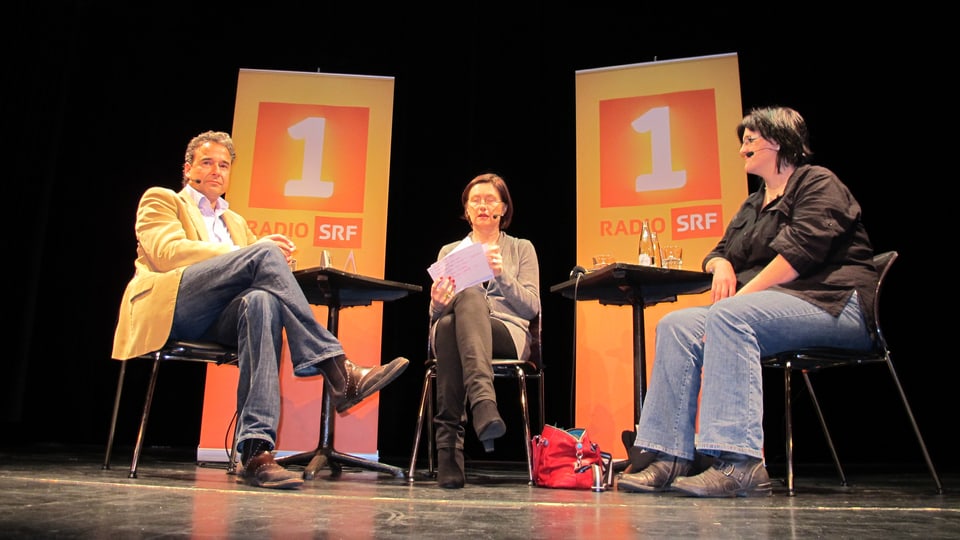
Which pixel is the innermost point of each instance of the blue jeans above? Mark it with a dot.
(248, 298)
(723, 343)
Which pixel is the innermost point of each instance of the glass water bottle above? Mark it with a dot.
(646, 252)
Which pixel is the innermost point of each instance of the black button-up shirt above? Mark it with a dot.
(816, 226)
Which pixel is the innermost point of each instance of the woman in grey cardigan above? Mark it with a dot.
(471, 325)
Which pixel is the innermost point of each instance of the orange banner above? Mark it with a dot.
(313, 164)
(655, 141)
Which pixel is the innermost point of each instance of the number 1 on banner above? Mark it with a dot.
(656, 121)
(311, 131)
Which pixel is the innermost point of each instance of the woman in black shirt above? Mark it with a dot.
(794, 269)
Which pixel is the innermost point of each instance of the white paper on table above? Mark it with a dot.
(467, 265)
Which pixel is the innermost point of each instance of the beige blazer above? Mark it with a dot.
(171, 236)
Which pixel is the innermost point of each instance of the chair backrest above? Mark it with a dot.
(536, 344)
(536, 341)
(883, 262)
(816, 358)
(535, 360)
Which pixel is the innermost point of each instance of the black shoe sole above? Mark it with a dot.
(762, 490)
(644, 489)
(290, 483)
(293, 482)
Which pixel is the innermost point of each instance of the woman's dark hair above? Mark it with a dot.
(490, 178)
(783, 126)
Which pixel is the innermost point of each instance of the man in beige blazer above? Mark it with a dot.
(201, 273)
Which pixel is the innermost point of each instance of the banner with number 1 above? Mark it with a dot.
(655, 141)
(313, 154)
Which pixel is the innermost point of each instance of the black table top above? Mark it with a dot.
(633, 284)
(328, 286)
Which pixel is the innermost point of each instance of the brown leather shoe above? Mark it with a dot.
(730, 476)
(264, 471)
(657, 476)
(361, 383)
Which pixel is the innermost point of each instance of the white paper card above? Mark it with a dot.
(467, 265)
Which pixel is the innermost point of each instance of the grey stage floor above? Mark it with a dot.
(54, 493)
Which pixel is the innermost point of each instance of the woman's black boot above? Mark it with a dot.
(450, 473)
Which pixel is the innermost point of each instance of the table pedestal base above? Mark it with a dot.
(326, 455)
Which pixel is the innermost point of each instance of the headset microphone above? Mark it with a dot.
(495, 216)
(754, 152)
(196, 180)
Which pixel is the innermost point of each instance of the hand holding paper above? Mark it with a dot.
(467, 265)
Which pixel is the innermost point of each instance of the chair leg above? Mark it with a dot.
(543, 414)
(424, 396)
(431, 431)
(232, 465)
(113, 419)
(527, 438)
(789, 421)
(826, 432)
(916, 428)
(143, 420)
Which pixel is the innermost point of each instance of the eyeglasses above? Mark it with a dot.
(208, 163)
(749, 140)
(489, 202)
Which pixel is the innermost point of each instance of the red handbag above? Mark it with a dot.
(568, 459)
